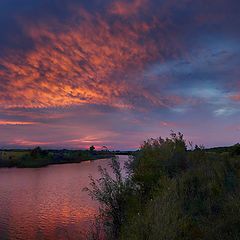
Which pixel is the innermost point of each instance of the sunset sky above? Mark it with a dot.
(107, 72)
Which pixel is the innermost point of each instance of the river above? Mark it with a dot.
(47, 203)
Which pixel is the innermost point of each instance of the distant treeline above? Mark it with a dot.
(233, 150)
(38, 157)
(171, 193)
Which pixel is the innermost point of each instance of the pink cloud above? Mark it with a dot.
(30, 143)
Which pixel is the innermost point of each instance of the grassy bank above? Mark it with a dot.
(171, 194)
(40, 158)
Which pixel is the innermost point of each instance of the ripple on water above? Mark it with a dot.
(47, 203)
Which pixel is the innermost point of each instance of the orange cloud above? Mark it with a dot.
(5, 122)
(236, 97)
(88, 60)
(126, 8)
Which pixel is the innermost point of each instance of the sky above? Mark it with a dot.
(115, 72)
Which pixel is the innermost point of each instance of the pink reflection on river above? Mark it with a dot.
(47, 203)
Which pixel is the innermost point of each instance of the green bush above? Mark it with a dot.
(197, 201)
(177, 194)
(159, 157)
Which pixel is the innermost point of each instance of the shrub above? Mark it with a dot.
(172, 194)
(159, 157)
(111, 193)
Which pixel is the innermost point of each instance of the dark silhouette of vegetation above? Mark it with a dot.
(37, 152)
(41, 158)
(171, 193)
(235, 150)
(112, 194)
(232, 150)
(92, 148)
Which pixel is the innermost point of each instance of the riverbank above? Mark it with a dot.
(37, 158)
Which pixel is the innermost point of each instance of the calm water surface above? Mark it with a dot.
(47, 203)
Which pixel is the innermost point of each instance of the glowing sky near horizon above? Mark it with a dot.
(107, 72)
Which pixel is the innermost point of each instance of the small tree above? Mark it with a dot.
(92, 148)
(36, 152)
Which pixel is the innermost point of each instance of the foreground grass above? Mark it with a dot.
(172, 194)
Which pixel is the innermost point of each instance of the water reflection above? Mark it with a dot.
(47, 203)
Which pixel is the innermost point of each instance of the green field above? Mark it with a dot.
(13, 155)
